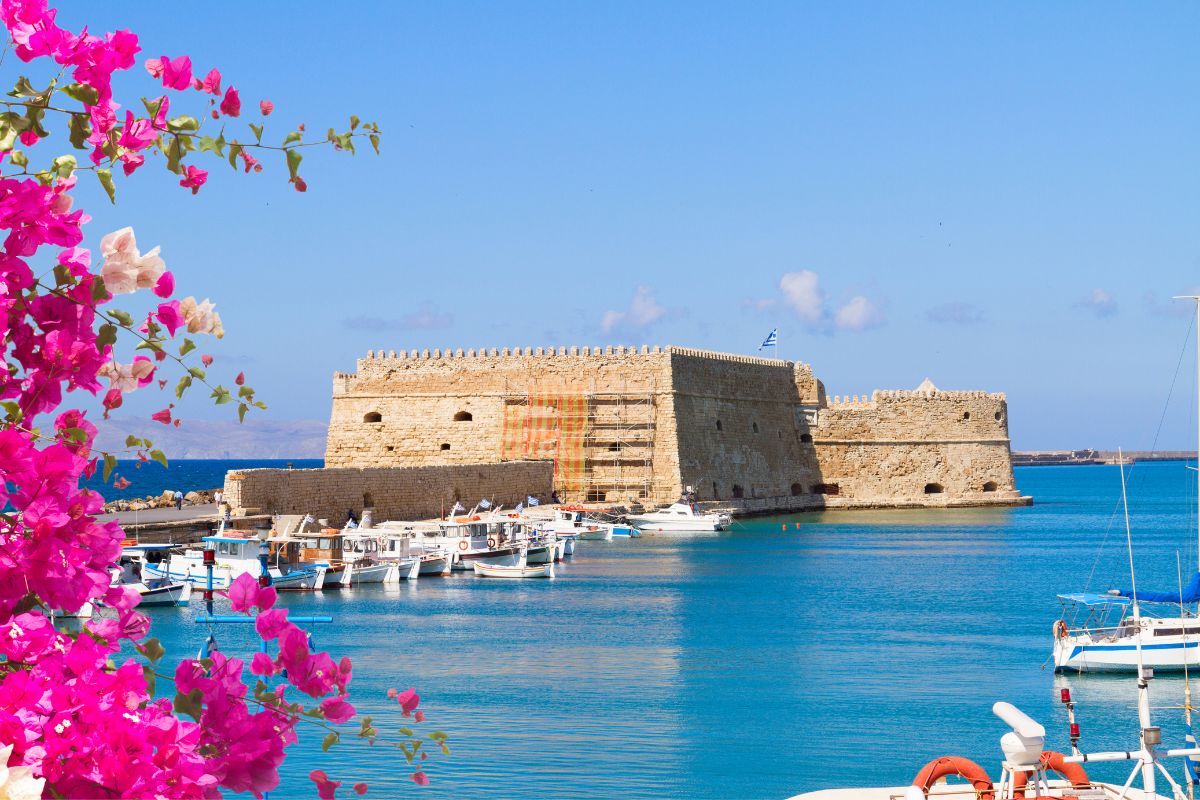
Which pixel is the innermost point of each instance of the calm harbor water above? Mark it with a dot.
(758, 663)
(195, 474)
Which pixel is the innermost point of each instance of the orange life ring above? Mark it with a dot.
(942, 767)
(462, 544)
(1054, 761)
(492, 542)
(1060, 629)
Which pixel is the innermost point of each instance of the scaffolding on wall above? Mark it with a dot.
(601, 442)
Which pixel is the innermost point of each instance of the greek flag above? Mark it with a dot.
(485, 504)
(533, 501)
(457, 507)
(520, 507)
(1192, 762)
(771, 340)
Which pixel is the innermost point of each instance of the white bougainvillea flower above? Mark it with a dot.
(18, 783)
(125, 269)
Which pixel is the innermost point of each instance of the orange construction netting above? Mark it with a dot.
(551, 423)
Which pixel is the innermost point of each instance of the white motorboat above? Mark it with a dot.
(514, 571)
(680, 517)
(129, 571)
(234, 556)
(435, 562)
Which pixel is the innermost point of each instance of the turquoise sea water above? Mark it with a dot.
(151, 478)
(758, 663)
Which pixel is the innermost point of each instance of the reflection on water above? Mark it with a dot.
(747, 665)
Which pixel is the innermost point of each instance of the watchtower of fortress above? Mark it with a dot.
(624, 424)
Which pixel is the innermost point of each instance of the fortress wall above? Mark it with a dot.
(418, 394)
(757, 451)
(400, 494)
(888, 448)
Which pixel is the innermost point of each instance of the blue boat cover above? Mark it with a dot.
(1191, 593)
(1096, 599)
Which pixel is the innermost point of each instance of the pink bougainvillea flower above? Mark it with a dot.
(155, 67)
(270, 624)
(130, 162)
(231, 106)
(337, 710)
(262, 664)
(169, 315)
(360, 788)
(300, 185)
(28, 138)
(408, 700)
(240, 379)
(266, 107)
(391, 693)
(206, 360)
(325, 787)
(211, 83)
(250, 161)
(194, 178)
(241, 593)
(113, 399)
(137, 133)
(165, 287)
(121, 483)
(176, 73)
(419, 716)
(420, 778)
(163, 416)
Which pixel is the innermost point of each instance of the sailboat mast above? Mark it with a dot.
(1148, 782)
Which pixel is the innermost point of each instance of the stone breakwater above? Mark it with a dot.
(164, 500)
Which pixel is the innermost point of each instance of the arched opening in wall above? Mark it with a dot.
(463, 416)
(827, 488)
(754, 425)
(373, 416)
(597, 495)
(368, 500)
(738, 491)
(797, 490)
(806, 438)
(997, 415)
(934, 488)
(718, 424)
(445, 445)
(990, 486)
(716, 494)
(391, 448)
(966, 415)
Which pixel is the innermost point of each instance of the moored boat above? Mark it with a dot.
(514, 570)
(681, 518)
(235, 556)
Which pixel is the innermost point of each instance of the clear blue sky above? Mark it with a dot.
(1009, 191)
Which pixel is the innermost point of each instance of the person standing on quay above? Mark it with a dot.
(178, 500)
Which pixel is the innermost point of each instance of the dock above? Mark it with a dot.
(1035, 458)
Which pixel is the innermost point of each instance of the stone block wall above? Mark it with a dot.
(407, 493)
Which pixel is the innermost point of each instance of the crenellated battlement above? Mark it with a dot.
(575, 351)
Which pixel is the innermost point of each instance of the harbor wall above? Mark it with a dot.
(637, 425)
(404, 493)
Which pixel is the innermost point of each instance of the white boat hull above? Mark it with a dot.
(298, 580)
(1083, 653)
(435, 565)
(509, 556)
(363, 574)
(517, 571)
(171, 594)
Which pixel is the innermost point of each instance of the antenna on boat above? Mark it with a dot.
(1196, 327)
(1143, 675)
(1187, 686)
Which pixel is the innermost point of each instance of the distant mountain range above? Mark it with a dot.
(257, 438)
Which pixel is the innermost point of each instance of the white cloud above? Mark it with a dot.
(801, 291)
(1100, 303)
(858, 314)
(643, 312)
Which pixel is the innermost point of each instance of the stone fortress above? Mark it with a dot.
(627, 425)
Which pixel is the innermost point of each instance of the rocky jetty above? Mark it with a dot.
(164, 500)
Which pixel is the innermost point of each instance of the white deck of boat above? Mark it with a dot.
(947, 791)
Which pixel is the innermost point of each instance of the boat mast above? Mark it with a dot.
(1143, 685)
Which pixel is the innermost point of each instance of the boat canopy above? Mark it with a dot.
(1191, 593)
(1086, 599)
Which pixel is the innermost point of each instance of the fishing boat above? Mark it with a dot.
(1101, 632)
(154, 592)
(514, 571)
(680, 517)
(362, 552)
(234, 556)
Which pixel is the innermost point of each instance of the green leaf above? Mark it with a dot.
(183, 124)
(63, 166)
(345, 141)
(106, 180)
(152, 106)
(196, 372)
(259, 404)
(106, 335)
(175, 154)
(365, 722)
(221, 396)
(80, 129)
(187, 347)
(74, 434)
(374, 137)
(211, 145)
(152, 649)
(8, 137)
(99, 292)
(189, 703)
(84, 94)
(293, 162)
(258, 129)
(242, 409)
(234, 150)
(406, 731)
(354, 122)
(150, 677)
(294, 136)
(123, 317)
(157, 455)
(18, 158)
(438, 736)
(132, 441)
(23, 88)
(110, 463)
(329, 741)
(182, 386)
(245, 391)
